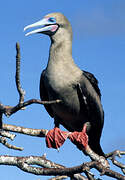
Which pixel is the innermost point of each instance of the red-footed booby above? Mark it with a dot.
(80, 110)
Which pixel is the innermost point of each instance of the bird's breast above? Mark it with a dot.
(63, 87)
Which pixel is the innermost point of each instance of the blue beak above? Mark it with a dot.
(45, 25)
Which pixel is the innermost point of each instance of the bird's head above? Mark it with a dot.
(51, 24)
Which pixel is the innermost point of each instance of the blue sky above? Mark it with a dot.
(98, 47)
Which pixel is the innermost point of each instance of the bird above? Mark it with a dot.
(80, 109)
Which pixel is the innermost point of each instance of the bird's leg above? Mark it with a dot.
(56, 122)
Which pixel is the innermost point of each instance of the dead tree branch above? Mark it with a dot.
(49, 168)
(17, 76)
(26, 131)
(7, 134)
(3, 141)
(112, 156)
(8, 110)
(99, 160)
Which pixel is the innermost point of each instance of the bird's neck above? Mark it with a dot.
(61, 66)
(60, 52)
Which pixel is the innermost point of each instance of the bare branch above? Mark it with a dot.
(8, 110)
(116, 152)
(108, 172)
(113, 155)
(43, 133)
(17, 76)
(50, 168)
(100, 164)
(26, 131)
(59, 178)
(11, 110)
(79, 177)
(89, 175)
(1, 115)
(3, 141)
(7, 134)
(95, 157)
(74, 177)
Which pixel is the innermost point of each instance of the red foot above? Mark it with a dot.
(80, 139)
(55, 138)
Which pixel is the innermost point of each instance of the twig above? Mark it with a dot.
(3, 141)
(59, 178)
(116, 152)
(89, 175)
(11, 110)
(108, 172)
(7, 134)
(75, 177)
(1, 116)
(1, 120)
(17, 76)
(113, 155)
(21, 130)
(26, 131)
(8, 110)
(79, 177)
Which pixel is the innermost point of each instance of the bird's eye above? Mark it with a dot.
(52, 19)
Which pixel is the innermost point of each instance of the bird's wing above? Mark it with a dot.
(44, 94)
(88, 96)
(93, 81)
(91, 106)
